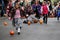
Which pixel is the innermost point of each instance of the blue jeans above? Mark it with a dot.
(17, 22)
(32, 17)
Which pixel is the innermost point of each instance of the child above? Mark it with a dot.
(28, 9)
(44, 10)
(17, 17)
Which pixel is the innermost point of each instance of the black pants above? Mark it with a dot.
(45, 18)
(57, 17)
(13, 22)
(48, 14)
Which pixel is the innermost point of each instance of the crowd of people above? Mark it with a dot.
(16, 11)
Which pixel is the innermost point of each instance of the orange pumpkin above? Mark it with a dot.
(11, 32)
(35, 21)
(5, 23)
(41, 21)
(29, 22)
(5, 15)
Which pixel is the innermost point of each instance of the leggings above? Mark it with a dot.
(45, 18)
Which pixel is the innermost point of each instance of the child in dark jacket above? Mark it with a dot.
(28, 9)
(23, 13)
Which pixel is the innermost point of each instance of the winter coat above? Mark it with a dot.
(45, 9)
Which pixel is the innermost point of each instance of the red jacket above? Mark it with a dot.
(45, 9)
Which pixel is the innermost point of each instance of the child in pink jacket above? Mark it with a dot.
(16, 16)
(45, 10)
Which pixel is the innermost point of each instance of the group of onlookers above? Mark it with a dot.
(16, 10)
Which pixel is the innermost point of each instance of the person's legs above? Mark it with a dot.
(30, 18)
(48, 14)
(37, 15)
(20, 24)
(57, 17)
(58, 14)
(34, 18)
(46, 18)
(1, 13)
(13, 22)
(16, 23)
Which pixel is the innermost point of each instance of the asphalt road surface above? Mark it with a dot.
(50, 31)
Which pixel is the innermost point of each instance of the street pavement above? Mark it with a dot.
(50, 31)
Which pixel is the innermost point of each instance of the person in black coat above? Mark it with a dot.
(22, 11)
(50, 7)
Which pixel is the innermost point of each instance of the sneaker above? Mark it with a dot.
(18, 31)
